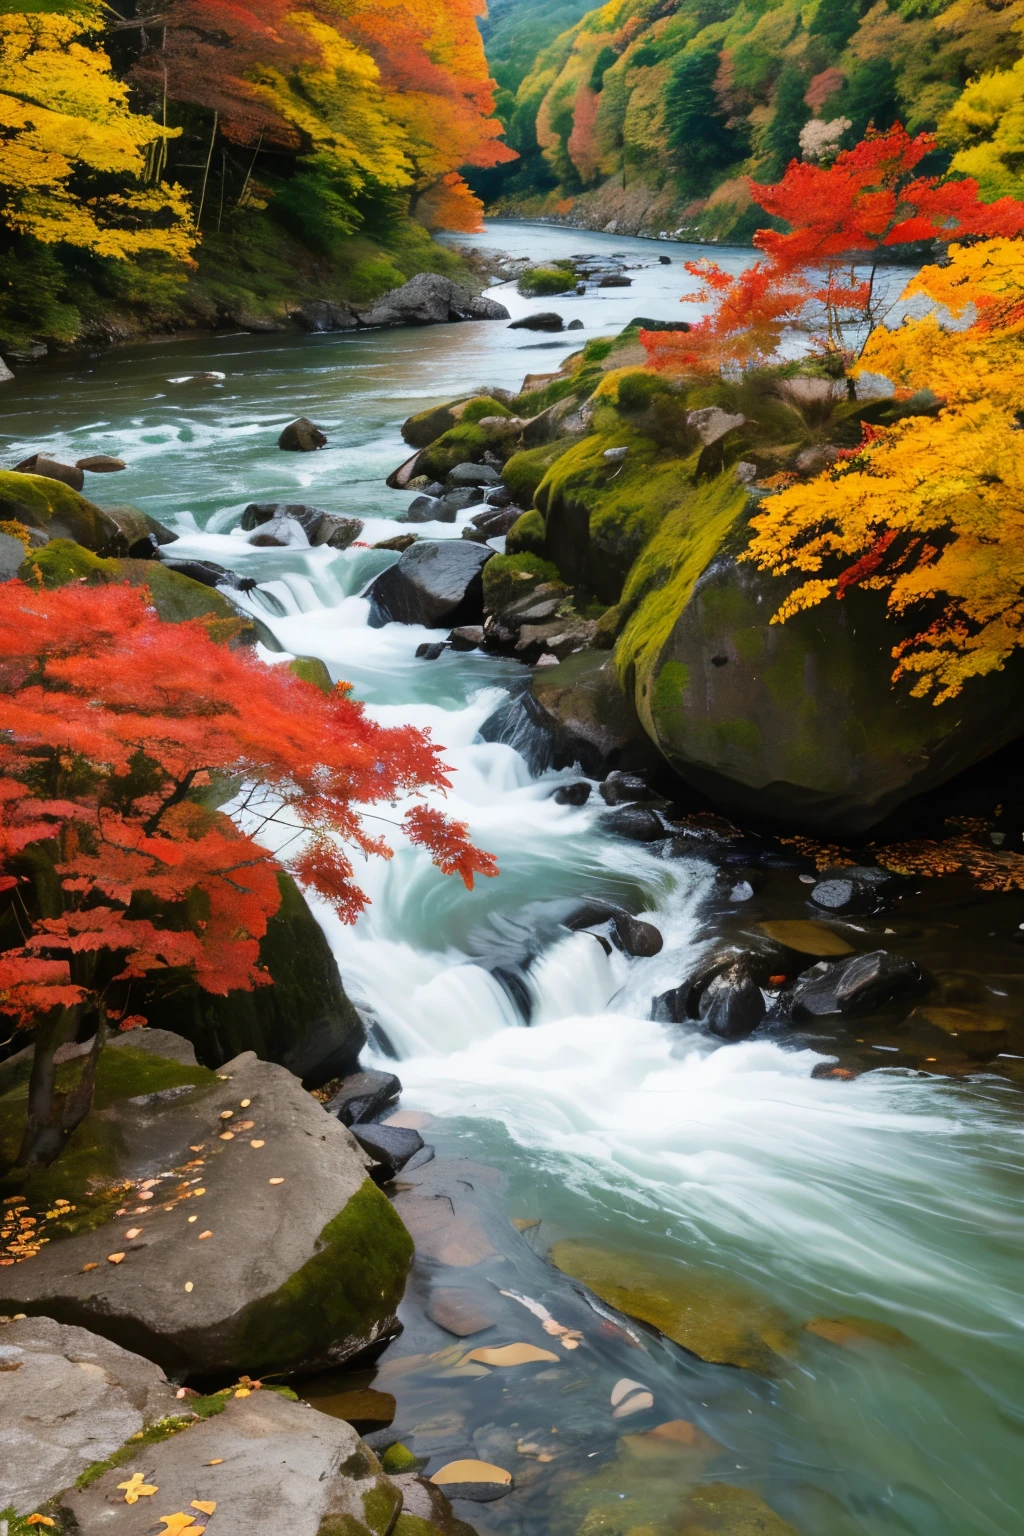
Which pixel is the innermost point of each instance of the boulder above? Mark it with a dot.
(70, 1398)
(12, 553)
(51, 469)
(305, 1021)
(51, 505)
(588, 717)
(326, 315)
(363, 1096)
(390, 1146)
(427, 509)
(495, 523)
(320, 527)
(546, 320)
(621, 788)
(279, 533)
(572, 794)
(473, 475)
(265, 1464)
(732, 1004)
(101, 464)
(461, 497)
(712, 422)
(575, 325)
(630, 934)
(796, 723)
(399, 544)
(302, 436)
(430, 299)
(856, 986)
(635, 822)
(468, 637)
(294, 1262)
(437, 583)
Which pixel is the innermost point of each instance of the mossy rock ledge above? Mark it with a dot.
(294, 1259)
(796, 723)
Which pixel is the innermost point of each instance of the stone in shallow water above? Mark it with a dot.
(459, 1312)
(960, 1021)
(854, 1331)
(806, 936)
(714, 1319)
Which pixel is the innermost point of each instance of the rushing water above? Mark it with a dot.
(893, 1198)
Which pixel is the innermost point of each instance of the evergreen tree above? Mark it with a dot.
(782, 136)
(701, 144)
(835, 22)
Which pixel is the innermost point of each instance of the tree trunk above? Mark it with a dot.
(53, 1114)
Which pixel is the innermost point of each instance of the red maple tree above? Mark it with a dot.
(118, 733)
(843, 220)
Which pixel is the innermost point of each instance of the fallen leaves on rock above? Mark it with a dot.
(133, 1232)
(257, 1143)
(205, 1506)
(180, 1524)
(509, 1354)
(275, 1181)
(114, 1258)
(205, 1234)
(137, 1488)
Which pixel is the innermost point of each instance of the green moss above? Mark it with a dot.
(541, 281)
(483, 405)
(62, 561)
(54, 506)
(526, 536)
(381, 1503)
(312, 670)
(94, 1152)
(414, 1525)
(342, 1525)
(664, 576)
(508, 577)
(525, 470)
(459, 445)
(199, 1408)
(667, 695)
(399, 1458)
(370, 280)
(349, 1289)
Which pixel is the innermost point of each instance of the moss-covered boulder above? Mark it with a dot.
(293, 1259)
(525, 470)
(305, 1021)
(718, 1320)
(459, 445)
(61, 512)
(427, 426)
(588, 717)
(796, 722)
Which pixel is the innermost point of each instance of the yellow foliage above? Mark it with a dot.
(63, 116)
(931, 510)
(987, 122)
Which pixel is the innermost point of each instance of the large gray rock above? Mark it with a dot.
(588, 717)
(326, 315)
(12, 553)
(437, 583)
(429, 299)
(269, 1465)
(320, 527)
(69, 1398)
(294, 1260)
(6, 376)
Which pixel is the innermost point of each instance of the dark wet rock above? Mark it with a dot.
(461, 497)
(437, 583)
(326, 315)
(635, 822)
(427, 509)
(546, 320)
(399, 544)
(161, 534)
(572, 794)
(855, 986)
(302, 436)
(725, 992)
(210, 574)
(589, 719)
(100, 464)
(621, 788)
(575, 325)
(429, 299)
(473, 475)
(500, 497)
(630, 934)
(363, 1096)
(390, 1146)
(495, 522)
(275, 1288)
(320, 527)
(430, 650)
(665, 261)
(732, 1005)
(854, 890)
(69, 1398)
(468, 637)
(51, 469)
(615, 280)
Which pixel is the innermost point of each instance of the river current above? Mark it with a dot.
(894, 1198)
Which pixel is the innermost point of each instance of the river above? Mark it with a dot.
(893, 1198)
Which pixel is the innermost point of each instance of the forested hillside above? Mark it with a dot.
(649, 113)
(203, 161)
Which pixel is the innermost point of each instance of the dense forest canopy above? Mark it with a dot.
(679, 100)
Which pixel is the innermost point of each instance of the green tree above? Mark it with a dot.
(835, 22)
(869, 97)
(781, 141)
(700, 141)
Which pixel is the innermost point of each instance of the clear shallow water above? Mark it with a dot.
(894, 1198)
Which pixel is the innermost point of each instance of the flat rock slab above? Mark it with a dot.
(459, 1312)
(280, 1467)
(67, 1398)
(291, 1259)
(438, 1207)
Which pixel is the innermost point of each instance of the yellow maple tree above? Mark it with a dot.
(73, 167)
(929, 511)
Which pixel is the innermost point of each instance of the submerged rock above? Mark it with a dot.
(437, 583)
(304, 1263)
(711, 1317)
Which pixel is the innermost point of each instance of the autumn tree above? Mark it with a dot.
(930, 511)
(843, 220)
(118, 733)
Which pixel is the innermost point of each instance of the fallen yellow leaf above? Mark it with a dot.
(40, 1520)
(179, 1523)
(188, 1285)
(277, 1181)
(226, 1114)
(206, 1506)
(133, 1232)
(193, 1218)
(509, 1354)
(218, 1461)
(243, 1392)
(245, 1103)
(201, 1191)
(86, 1268)
(205, 1234)
(471, 1472)
(136, 1487)
(114, 1258)
(257, 1143)
(226, 1136)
